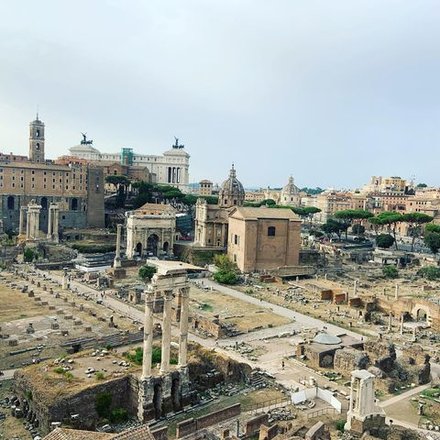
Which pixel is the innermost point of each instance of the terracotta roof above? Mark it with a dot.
(76, 434)
(138, 433)
(269, 213)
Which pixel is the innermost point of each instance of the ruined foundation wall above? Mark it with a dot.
(83, 402)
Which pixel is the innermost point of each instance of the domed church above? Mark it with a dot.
(211, 222)
(231, 192)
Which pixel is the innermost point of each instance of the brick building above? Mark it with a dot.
(77, 188)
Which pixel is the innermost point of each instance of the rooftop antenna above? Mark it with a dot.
(37, 111)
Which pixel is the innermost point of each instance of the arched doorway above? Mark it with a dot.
(166, 246)
(152, 243)
(139, 249)
(421, 315)
(74, 204)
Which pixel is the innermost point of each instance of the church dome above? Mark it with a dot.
(232, 191)
(290, 188)
(326, 339)
(290, 194)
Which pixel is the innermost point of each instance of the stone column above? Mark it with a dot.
(49, 223)
(396, 293)
(37, 223)
(21, 230)
(166, 332)
(401, 324)
(355, 288)
(117, 261)
(148, 335)
(56, 221)
(390, 322)
(28, 224)
(183, 337)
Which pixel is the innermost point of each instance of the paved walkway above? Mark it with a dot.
(406, 394)
(301, 319)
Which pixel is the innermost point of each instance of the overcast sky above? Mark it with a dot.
(329, 91)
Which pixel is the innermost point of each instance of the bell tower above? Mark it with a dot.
(36, 141)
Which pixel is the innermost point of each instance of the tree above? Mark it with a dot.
(422, 185)
(390, 219)
(334, 227)
(431, 273)
(189, 199)
(432, 227)
(358, 229)
(268, 202)
(349, 215)
(415, 221)
(147, 272)
(384, 241)
(390, 272)
(432, 240)
(117, 180)
(227, 270)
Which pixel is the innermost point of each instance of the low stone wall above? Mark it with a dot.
(190, 426)
(253, 425)
(48, 410)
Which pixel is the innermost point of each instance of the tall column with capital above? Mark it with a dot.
(183, 337)
(50, 224)
(28, 224)
(117, 261)
(21, 230)
(148, 335)
(55, 223)
(166, 332)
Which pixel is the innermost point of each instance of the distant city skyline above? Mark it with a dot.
(328, 92)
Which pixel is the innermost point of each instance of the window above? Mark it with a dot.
(236, 239)
(271, 231)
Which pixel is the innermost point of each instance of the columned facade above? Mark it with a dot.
(167, 387)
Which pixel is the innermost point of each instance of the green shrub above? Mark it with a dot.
(100, 375)
(59, 370)
(68, 375)
(29, 255)
(431, 273)
(340, 425)
(146, 272)
(384, 241)
(390, 272)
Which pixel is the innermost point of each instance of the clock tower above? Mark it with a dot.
(36, 141)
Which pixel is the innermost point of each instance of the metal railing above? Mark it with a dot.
(266, 405)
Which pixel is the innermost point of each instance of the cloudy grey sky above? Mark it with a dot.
(330, 92)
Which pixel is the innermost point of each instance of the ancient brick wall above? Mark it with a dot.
(191, 426)
(253, 425)
(83, 402)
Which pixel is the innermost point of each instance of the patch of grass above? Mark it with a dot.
(58, 370)
(100, 375)
(206, 307)
(156, 357)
